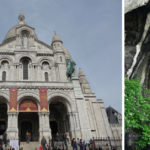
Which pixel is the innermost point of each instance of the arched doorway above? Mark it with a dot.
(28, 120)
(3, 115)
(59, 120)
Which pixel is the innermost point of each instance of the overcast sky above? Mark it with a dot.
(90, 30)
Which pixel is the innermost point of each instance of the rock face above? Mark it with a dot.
(133, 4)
(137, 43)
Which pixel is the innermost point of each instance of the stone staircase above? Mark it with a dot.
(34, 145)
(30, 146)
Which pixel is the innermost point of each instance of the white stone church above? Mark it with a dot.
(37, 96)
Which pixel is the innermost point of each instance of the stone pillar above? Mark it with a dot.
(12, 129)
(44, 127)
(44, 115)
(74, 126)
(71, 124)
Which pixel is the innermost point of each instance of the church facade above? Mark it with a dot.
(37, 96)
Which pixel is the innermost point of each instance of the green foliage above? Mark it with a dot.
(137, 111)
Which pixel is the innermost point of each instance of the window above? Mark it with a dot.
(46, 76)
(45, 65)
(4, 64)
(4, 76)
(25, 63)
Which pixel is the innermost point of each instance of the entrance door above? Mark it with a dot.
(3, 117)
(59, 121)
(54, 127)
(28, 121)
(26, 126)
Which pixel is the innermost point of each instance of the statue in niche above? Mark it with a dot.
(25, 41)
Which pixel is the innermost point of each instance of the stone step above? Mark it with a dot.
(34, 145)
(30, 146)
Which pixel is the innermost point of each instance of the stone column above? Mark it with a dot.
(44, 127)
(71, 124)
(74, 125)
(12, 129)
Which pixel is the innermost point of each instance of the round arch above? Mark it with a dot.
(29, 29)
(61, 97)
(29, 96)
(50, 61)
(59, 118)
(25, 57)
(5, 97)
(18, 60)
(25, 29)
(9, 59)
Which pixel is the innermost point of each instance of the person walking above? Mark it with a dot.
(66, 143)
(1, 147)
(5, 139)
(43, 143)
(74, 144)
(84, 144)
(81, 145)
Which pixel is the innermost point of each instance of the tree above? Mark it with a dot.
(137, 111)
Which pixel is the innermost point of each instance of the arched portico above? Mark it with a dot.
(61, 119)
(28, 118)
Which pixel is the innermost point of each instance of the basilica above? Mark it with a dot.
(43, 93)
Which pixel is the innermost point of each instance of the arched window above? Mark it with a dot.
(46, 76)
(4, 76)
(5, 64)
(45, 65)
(25, 63)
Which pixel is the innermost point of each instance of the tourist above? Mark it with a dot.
(67, 136)
(5, 139)
(81, 145)
(74, 144)
(1, 147)
(92, 144)
(41, 147)
(1, 139)
(66, 143)
(47, 147)
(78, 142)
(85, 144)
(28, 136)
(43, 143)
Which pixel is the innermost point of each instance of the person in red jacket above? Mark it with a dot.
(41, 147)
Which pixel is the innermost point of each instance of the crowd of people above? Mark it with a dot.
(62, 143)
(58, 142)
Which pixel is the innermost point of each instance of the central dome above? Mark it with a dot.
(12, 33)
